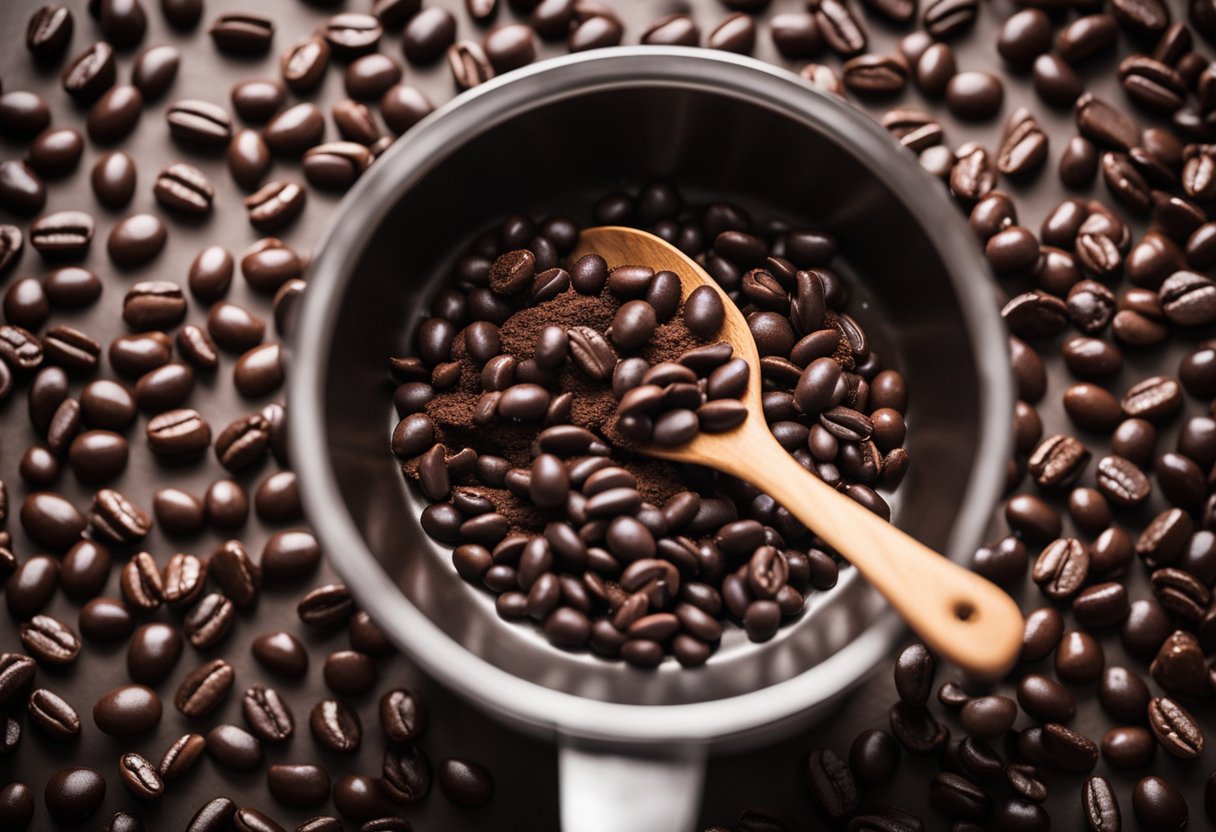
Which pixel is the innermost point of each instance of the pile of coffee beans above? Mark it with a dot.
(110, 560)
(536, 381)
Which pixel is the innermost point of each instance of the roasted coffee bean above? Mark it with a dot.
(1177, 731)
(681, 31)
(298, 785)
(1070, 750)
(127, 711)
(178, 435)
(1024, 36)
(1101, 805)
(281, 653)
(51, 521)
(236, 573)
(115, 519)
(209, 621)
(1122, 482)
(183, 188)
(115, 114)
(72, 795)
(258, 100)
(1105, 125)
(402, 107)
(303, 65)
(336, 165)
(1101, 605)
(216, 814)
(16, 672)
(84, 571)
(465, 782)
(1045, 699)
(875, 75)
(831, 784)
(735, 33)
(351, 34)
(335, 726)
(468, 64)
(427, 35)
(842, 31)
(62, 235)
(290, 555)
(21, 188)
(140, 776)
(1023, 147)
(326, 606)
(89, 74)
(294, 130)
(52, 713)
(155, 70)
(199, 123)
(1188, 299)
(12, 244)
(49, 32)
(1086, 36)
(371, 76)
(403, 715)
(235, 748)
(226, 504)
(55, 152)
(958, 797)
(406, 774)
(1152, 84)
(104, 620)
(349, 672)
(49, 641)
(154, 304)
(267, 714)
(136, 240)
(973, 96)
(204, 688)
(71, 288)
(274, 206)
(153, 653)
(242, 34)
(1128, 747)
(1061, 568)
(181, 756)
(1079, 658)
(113, 179)
(1159, 805)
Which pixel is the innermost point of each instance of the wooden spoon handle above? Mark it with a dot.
(960, 615)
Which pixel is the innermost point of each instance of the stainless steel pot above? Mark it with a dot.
(554, 135)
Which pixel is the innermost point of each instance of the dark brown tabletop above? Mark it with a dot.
(524, 769)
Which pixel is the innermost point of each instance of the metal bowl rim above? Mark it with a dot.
(517, 700)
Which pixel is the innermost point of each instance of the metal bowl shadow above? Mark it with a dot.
(551, 137)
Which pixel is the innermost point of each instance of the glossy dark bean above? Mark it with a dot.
(113, 179)
(90, 73)
(257, 100)
(234, 748)
(298, 785)
(242, 34)
(335, 726)
(72, 795)
(49, 32)
(274, 206)
(281, 653)
(199, 123)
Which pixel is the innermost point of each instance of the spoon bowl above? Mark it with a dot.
(962, 616)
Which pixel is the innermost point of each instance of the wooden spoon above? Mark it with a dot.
(960, 615)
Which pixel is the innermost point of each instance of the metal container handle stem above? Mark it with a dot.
(607, 788)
